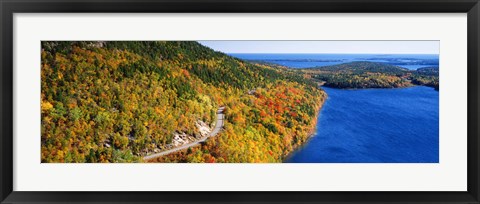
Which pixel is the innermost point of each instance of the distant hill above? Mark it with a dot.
(432, 71)
(362, 74)
(360, 67)
(426, 76)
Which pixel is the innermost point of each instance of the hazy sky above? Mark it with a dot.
(364, 47)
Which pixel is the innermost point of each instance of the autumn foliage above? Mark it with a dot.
(119, 101)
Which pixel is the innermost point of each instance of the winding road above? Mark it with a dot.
(216, 130)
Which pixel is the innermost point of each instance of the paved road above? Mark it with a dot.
(216, 130)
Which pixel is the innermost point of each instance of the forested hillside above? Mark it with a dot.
(119, 101)
(427, 76)
(362, 74)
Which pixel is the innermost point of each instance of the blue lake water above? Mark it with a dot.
(375, 126)
(369, 125)
(409, 61)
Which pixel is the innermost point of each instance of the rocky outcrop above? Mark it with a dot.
(203, 128)
(181, 138)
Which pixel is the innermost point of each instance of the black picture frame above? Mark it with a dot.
(10, 7)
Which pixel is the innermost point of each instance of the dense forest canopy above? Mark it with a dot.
(363, 74)
(119, 101)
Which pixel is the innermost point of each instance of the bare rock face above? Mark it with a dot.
(180, 138)
(97, 44)
(203, 128)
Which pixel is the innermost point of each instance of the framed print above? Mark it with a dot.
(257, 102)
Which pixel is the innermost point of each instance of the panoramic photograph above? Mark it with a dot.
(240, 101)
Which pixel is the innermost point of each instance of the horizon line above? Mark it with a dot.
(327, 53)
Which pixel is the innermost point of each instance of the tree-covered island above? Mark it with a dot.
(363, 74)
